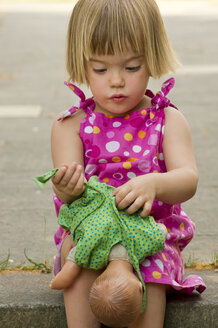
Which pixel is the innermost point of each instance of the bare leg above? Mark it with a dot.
(66, 276)
(153, 317)
(77, 307)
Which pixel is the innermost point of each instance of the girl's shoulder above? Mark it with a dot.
(69, 125)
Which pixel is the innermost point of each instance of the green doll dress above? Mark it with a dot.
(96, 226)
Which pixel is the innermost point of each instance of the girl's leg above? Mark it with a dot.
(77, 307)
(153, 317)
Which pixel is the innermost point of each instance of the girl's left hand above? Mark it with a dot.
(139, 192)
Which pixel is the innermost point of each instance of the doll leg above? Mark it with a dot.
(66, 276)
(153, 317)
(76, 297)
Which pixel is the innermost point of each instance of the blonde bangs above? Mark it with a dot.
(108, 27)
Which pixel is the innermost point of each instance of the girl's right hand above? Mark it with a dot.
(68, 182)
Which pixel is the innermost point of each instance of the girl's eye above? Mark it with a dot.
(99, 70)
(133, 68)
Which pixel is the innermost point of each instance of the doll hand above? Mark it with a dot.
(68, 182)
(137, 193)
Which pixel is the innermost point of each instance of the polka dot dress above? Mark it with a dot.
(117, 149)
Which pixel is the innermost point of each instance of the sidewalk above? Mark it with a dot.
(27, 302)
(32, 72)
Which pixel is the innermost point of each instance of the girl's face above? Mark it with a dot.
(118, 82)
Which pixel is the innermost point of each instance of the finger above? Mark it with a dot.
(80, 187)
(137, 204)
(59, 175)
(69, 173)
(75, 177)
(120, 195)
(146, 209)
(126, 201)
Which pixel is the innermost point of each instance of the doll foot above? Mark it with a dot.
(60, 282)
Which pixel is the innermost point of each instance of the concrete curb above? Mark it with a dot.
(26, 301)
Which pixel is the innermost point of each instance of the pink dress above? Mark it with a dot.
(117, 149)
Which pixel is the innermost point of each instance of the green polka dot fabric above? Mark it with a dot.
(96, 226)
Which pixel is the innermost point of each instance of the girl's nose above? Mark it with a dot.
(117, 79)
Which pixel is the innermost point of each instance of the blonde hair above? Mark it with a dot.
(114, 301)
(106, 27)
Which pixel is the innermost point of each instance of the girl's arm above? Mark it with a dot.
(67, 155)
(177, 185)
(180, 181)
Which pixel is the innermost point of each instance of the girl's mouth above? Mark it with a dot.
(118, 98)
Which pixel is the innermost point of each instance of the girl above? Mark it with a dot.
(130, 139)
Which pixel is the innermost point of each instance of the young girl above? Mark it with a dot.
(130, 139)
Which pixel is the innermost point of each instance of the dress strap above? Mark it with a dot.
(159, 100)
(88, 105)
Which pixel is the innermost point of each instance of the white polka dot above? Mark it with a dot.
(90, 168)
(152, 141)
(126, 153)
(159, 264)
(87, 153)
(146, 152)
(155, 160)
(112, 146)
(131, 175)
(88, 129)
(158, 127)
(146, 263)
(110, 134)
(102, 160)
(175, 283)
(92, 118)
(144, 166)
(116, 124)
(160, 203)
(136, 149)
(118, 176)
(161, 156)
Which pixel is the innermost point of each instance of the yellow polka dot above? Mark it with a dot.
(96, 130)
(164, 257)
(141, 134)
(109, 116)
(127, 165)
(168, 229)
(105, 179)
(71, 87)
(151, 115)
(116, 159)
(155, 171)
(144, 112)
(172, 262)
(132, 159)
(175, 249)
(156, 275)
(127, 116)
(182, 227)
(157, 155)
(128, 136)
(64, 233)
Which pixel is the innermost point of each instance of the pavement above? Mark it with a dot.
(32, 93)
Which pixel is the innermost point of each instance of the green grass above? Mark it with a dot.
(5, 265)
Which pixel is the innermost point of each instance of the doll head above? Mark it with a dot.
(115, 301)
(107, 27)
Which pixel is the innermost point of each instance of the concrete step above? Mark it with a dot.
(27, 302)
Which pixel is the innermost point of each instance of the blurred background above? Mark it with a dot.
(32, 93)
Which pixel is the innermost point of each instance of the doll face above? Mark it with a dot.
(118, 82)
